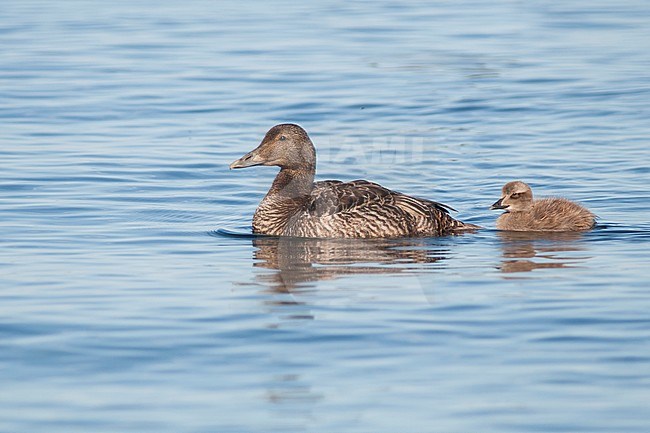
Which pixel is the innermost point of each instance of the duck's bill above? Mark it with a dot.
(498, 205)
(251, 159)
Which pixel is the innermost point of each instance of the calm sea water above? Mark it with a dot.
(133, 300)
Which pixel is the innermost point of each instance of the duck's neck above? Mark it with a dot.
(292, 183)
(282, 201)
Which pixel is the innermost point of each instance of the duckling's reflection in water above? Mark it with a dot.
(522, 249)
(299, 261)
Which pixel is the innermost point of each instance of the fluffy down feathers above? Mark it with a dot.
(549, 215)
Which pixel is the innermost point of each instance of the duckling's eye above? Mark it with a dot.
(282, 138)
(515, 195)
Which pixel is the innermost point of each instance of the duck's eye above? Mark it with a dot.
(282, 138)
(515, 195)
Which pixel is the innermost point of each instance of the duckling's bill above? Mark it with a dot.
(498, 205)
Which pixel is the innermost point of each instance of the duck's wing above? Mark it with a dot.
(420, 205)
(333, 197)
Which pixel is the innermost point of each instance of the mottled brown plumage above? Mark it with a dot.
(297, 206)
(522, 213)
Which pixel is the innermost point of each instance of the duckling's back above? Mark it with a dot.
(549, 214)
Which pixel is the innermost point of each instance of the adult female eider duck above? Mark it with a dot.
(297, 206)
(522, 213)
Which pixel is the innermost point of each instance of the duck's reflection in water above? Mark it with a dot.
(527, 251)
(293, 265)
(299, 262)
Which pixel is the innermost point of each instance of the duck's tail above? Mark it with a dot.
(466, 227)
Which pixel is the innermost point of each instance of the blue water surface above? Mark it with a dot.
(133, 298)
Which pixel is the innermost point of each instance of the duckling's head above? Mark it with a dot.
(515, 197)
(286, 145)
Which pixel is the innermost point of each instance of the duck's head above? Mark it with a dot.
(286, 145)
(515, 197)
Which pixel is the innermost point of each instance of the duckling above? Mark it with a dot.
(295, 205)
(522, 213)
